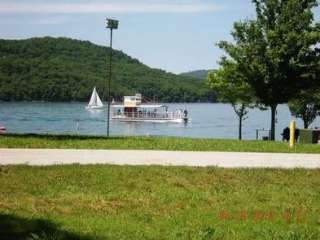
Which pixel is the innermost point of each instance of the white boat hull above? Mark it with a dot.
(151, 120)
(94, 107)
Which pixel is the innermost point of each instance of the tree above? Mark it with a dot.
(306, 107)
(277, 52)
(230, 88)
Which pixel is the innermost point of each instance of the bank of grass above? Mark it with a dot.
(113, 202)
(149, 143)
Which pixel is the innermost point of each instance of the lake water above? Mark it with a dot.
(207, 121)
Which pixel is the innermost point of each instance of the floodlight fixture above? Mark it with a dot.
(112, 23)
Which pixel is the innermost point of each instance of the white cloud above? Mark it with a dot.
(98, 7)
(35, 20)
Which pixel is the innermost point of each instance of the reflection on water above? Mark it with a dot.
(208, 121)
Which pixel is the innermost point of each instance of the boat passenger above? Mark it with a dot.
(185, 113)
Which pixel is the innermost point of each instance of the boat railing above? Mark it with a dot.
(148, 115)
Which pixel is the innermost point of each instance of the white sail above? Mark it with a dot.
(99, 102)
(95, 101)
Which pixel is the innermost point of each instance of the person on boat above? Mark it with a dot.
(185, 113)
(178, 113)
(154, 113)
(166, 112)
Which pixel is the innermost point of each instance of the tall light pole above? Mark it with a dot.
(111, 24)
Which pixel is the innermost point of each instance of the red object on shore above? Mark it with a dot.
(2, 129)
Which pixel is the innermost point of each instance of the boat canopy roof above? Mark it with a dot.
(139, 106)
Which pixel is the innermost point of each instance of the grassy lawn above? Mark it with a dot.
(112, 202)
(151, 143)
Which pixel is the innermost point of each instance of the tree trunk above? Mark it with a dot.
(305, 121)
(241, 113)
(240, 127)
(273, 122)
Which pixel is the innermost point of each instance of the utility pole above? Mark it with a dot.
(111, 24)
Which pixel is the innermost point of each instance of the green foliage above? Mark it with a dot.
(139, 202)
(277, 51)
(306, 106)
(199, 74)
(230, 87)
(61, 69)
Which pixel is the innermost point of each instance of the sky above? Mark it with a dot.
(173, 35)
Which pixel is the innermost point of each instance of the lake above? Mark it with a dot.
(208, 120)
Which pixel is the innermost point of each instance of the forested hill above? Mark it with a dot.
(199, 74)
(62, 69)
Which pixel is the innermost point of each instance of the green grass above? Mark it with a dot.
(113, 202)
(150, 143)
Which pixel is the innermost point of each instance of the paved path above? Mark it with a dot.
(40, 157)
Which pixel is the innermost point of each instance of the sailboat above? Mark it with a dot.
(95, 101)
